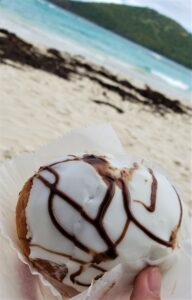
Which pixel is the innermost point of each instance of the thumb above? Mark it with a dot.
(147, 285)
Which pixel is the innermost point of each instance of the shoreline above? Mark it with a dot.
(65, 65)
(45, 93)
(174, 88)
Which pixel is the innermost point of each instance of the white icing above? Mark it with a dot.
(117, 211)
(166, 215)
(80, 181)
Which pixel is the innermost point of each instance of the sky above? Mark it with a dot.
(179, 10)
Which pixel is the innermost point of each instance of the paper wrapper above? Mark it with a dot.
(15, 274)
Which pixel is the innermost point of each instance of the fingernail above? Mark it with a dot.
(154, 281)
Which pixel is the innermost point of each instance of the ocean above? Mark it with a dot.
(46, 24)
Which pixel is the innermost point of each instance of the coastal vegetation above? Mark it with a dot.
(141, 25)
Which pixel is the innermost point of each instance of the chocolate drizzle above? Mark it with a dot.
(153, 197)
(76, 274)
(103, 168)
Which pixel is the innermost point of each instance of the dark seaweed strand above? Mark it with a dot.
(100, 164)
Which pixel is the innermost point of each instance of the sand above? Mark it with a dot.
(37, 106)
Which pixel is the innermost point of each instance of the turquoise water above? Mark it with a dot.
(40, 20)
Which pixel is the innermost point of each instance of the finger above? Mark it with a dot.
(147, 285)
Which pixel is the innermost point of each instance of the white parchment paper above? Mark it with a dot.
(13, 173)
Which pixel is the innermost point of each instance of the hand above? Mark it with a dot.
(147, 285)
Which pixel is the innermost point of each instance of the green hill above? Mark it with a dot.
(140, 25)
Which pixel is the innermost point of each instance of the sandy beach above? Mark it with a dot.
(46, 93)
